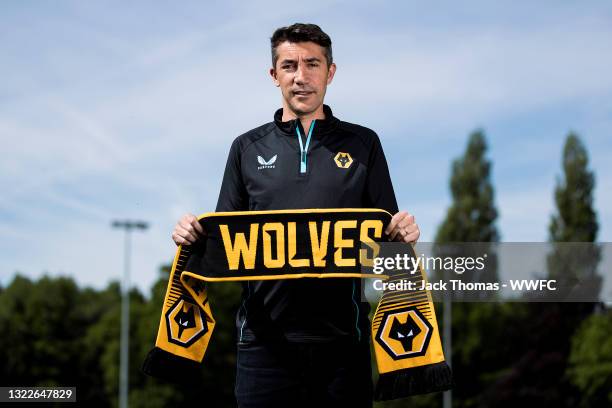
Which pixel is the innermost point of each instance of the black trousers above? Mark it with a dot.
(304, 375)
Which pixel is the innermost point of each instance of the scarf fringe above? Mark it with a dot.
(170, 367)
(412, 381)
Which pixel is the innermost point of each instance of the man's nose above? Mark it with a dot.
(300, 74)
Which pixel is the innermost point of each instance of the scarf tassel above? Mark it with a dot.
(412, 381)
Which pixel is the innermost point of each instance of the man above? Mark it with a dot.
(305, 341)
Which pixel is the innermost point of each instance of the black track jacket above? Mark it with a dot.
(341, 165)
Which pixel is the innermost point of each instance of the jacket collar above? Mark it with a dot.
(322, 125)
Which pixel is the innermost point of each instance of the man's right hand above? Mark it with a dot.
(188, 230)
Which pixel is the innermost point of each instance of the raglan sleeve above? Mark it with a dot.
(233, 195)
(378, 191)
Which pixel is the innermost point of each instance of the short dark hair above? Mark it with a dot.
(300, 32)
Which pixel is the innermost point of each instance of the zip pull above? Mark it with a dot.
(304, 149)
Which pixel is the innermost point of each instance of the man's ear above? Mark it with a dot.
(330, 73)
(273, 75)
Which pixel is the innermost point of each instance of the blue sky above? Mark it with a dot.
(115, 110)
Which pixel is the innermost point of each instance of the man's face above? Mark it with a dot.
(302, 74)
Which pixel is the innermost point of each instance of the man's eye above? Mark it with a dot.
(313, 64)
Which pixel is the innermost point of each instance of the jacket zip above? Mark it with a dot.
(304, 148)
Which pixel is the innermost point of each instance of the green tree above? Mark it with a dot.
(478, 329)
(575, 219)
(54, 333)
(590, 361)
(45, 340)
(472, 214)
(40, 325)
(539, 375)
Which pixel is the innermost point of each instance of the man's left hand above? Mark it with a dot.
(402, 228)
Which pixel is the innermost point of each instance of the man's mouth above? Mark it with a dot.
(302, 93)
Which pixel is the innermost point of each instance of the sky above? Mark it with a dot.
(115, 110)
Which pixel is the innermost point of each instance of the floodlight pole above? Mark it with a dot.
(127, 226)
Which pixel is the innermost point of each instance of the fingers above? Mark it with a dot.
(394, 221)
(406, 222)
(188, 230)
(190, 223)
(413, 236)
(396, 225)
(396, 233)
(403, 228)
(404, 232)
(410, 234)
(190, 236)
(197, 226)
(178, 240)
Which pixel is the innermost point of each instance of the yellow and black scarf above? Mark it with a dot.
(292, 244)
